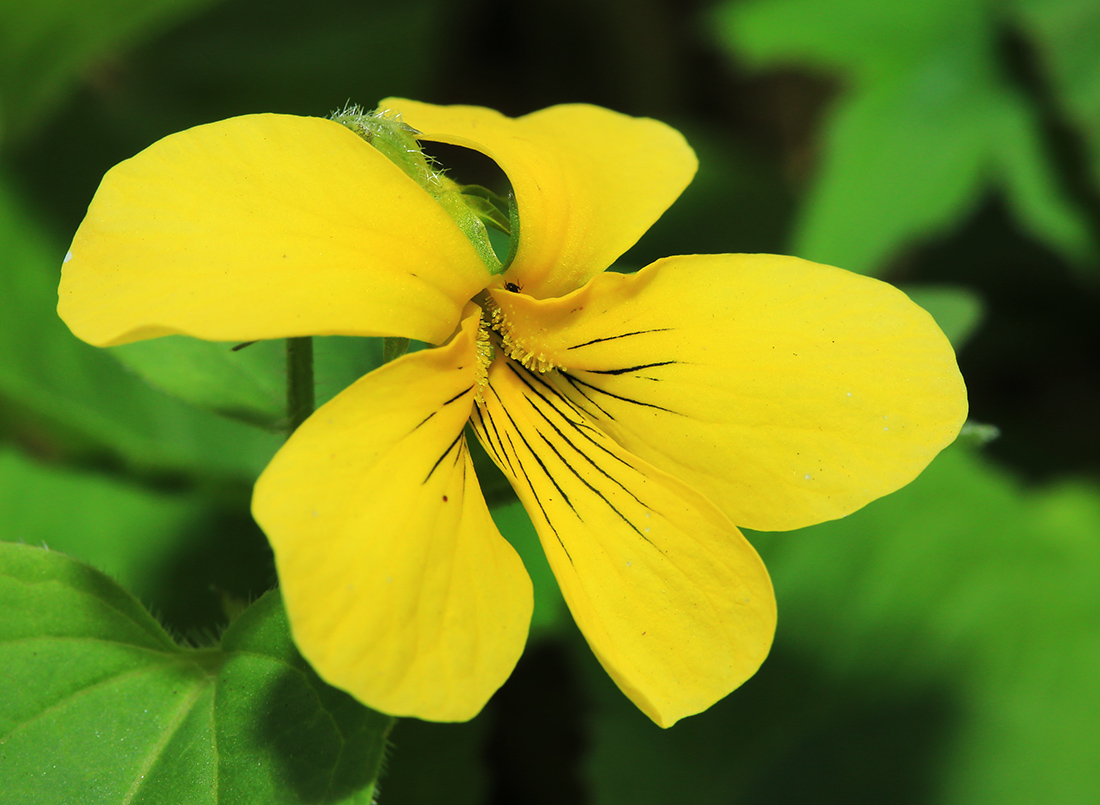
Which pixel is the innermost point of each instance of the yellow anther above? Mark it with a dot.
(484, 348)
(517, 348)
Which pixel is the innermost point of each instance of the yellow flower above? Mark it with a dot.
(639, 417)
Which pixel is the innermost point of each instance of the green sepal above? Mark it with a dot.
(513, 232)
(454, 203)
(490, 207)
(101, 705)
(398, 142)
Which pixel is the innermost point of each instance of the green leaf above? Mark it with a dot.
(247, 384)
(53, 378)
(291, 738)
(1041, 207)
(958, 311)
(188, 556)
(927, 125)
(47, 46)
(964, 578)
(100, 705)
(123, 530)
(1065, 33)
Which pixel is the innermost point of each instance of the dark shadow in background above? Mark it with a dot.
(537, 741)
(791, 734)
(225, 563)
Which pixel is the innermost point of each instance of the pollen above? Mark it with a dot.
(484, 347)
(518, 348)
(496, 330)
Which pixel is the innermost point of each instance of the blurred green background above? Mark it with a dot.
(940, 646)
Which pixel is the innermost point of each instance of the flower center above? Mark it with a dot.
(495, 330)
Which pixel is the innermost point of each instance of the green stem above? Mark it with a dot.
(299, 381)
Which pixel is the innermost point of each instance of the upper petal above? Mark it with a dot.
(399, 588)
(588, 181)
(672, 599)
(265, 226)
(785, 391)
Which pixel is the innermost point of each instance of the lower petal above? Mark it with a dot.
(399, 588)
(672, 599)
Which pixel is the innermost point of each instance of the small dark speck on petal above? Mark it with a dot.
(444, 498)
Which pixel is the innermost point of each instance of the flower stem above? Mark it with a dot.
(299, 381)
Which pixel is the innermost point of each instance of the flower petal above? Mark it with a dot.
(588, 181)
(674, 602)
(786, 392)
(265, 226)
(399, 588)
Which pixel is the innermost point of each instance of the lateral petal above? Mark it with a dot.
(265, 226)
(588, 181)
(399, 588)
(673, 600)
(786, 392)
